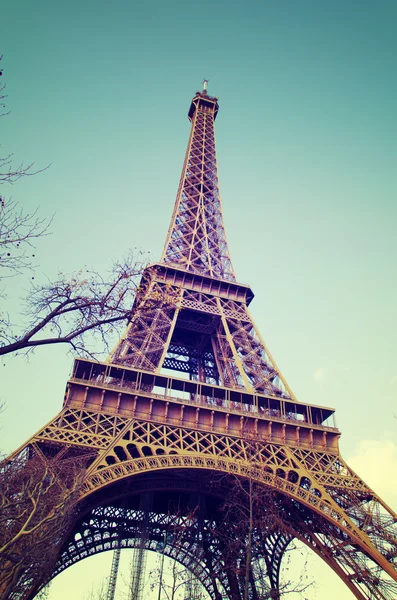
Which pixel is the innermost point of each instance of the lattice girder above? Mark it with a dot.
(164, 310)
(196, 239)
(110, 527)
(360, 529)
(275, 546)
(198, 543)
(230, 411)
(148, 334)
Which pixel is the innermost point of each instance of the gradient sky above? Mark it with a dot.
(307, 148)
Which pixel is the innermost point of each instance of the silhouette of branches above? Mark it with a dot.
(18, 232)
(19, 229)
(78, 310)
(37, 498)
(254, 536)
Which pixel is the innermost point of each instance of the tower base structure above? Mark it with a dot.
(187, 443)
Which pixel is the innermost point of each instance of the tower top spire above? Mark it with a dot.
(196, 239)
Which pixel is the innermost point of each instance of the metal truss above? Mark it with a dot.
(190, 315)
(202, 314)
(213, 338)
(111, 591)
(190, 532)
(329, 507)
(196, 240)
(227, 410)
(177, 536)
(138, 566)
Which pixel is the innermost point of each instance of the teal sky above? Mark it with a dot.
(307, 149)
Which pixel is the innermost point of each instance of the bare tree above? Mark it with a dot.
(175, 582)
(37, 498)
(172, 579)
(252, 514)
(10, 173)
(19, 229)
(97, 592)
(77, 310)
(169, 579)
(3, 95)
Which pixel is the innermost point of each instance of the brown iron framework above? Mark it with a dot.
(186, 391)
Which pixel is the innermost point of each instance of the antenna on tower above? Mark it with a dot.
(205, 84)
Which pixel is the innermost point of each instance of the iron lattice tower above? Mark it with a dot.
(192, 390)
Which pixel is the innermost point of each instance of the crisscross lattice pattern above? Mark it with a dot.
(191, 316)
(196, 239)
(329, 507)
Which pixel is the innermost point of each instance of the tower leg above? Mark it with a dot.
(113, 574)
(138, 567)
(276, 545)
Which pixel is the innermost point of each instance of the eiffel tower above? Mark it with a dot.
(189, 390)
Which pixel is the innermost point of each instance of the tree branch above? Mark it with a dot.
(75, 310)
